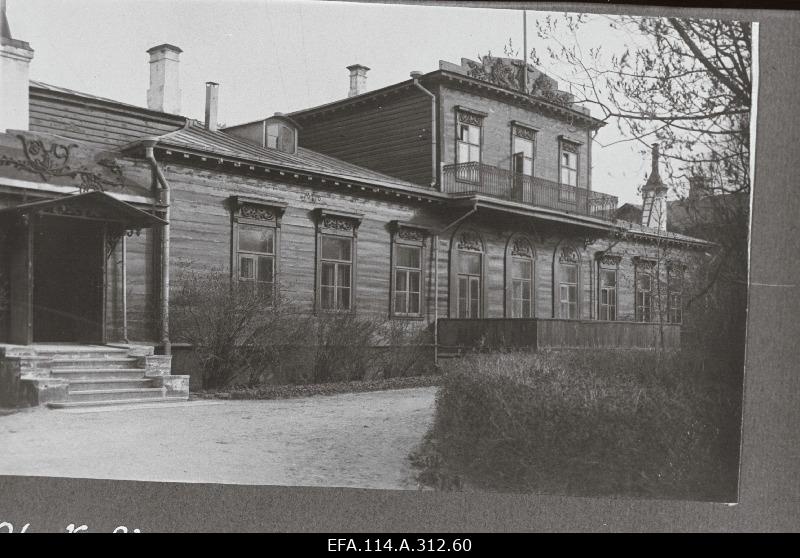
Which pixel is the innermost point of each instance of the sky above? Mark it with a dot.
(279, 56)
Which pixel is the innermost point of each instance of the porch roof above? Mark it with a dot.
(95, 206)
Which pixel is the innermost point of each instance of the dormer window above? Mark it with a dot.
(280, 133)
(280, 137)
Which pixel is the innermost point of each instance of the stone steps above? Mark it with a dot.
(116, 362)
(107, 402)
(81, 384)
(115, 394)
(97, 373)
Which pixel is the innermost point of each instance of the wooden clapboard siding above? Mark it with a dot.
(391, 135)
(93, 121)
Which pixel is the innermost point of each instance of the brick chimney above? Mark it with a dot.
(358, 79)
(654, 197)
(212, 102)
(164, 94)
(15, 59)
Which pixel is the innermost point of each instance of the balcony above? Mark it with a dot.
(477, 178)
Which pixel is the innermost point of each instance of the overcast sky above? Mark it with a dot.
(280, 56)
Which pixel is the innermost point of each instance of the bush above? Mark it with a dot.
(239, 339)
(590, 423)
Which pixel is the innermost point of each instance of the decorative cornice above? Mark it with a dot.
(522, 131)
(469, 117)
(642, 261)
(612, 260)
(337, 221)
(257, 209)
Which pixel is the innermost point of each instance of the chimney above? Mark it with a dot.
(212, 97)
(164, 94)
(15, 59)
(654, 197)
(358, 79)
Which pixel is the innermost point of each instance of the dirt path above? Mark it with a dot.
(354, 440)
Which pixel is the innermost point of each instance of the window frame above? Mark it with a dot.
(338, 224)
(261, 213)
(468, 117)
(519, 247)
(675, 269)
(568, 193)
(470, 241)
(608, 262)
(643, 267)
(564, 257)
(415, 236)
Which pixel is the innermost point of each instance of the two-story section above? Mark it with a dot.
(470, 128)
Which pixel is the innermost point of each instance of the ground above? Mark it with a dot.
(350, 440)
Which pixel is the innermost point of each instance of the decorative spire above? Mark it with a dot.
(654, 180)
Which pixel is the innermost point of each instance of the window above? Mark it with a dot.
(568, 176)
(467, 278)
(675, 288)
(280, 136)
(256, 225)
(336, 260)
(469, 143)
(523, 156)
(468, 136)
(519, 278)
(337, 272)
(608, 266)
(407, 277)
(567, 281)
(569, 168)
(644, 291)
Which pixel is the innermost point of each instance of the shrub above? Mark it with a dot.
(238, 338)
(590, 423)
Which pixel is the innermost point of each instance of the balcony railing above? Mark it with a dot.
(477, 178)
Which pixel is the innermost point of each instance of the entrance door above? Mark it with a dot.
(68, 280)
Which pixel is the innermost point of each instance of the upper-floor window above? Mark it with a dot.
(407, 276)
(336, 261)
(523, 150)
(568, 278)
(256, 227)
(608, 266)
(644, 290)
(568, 173)
(675, 272)
(468, 136)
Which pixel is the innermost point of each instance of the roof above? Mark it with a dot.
(461, 78)
(115, 210)
(196, 138)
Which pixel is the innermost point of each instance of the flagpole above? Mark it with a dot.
(524, 51)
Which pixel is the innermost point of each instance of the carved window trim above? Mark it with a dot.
(565, 257)
(467, 240)
(519, 248)
(608, 262)
(334, 223)
(256, 212)
(414, 236)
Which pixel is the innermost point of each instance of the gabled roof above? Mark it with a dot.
(197, 139)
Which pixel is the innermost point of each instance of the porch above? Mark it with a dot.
(478, 178)
(459, 335)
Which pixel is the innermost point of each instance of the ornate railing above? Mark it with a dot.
(477, 178)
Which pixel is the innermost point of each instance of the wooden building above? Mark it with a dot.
(457, 200)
